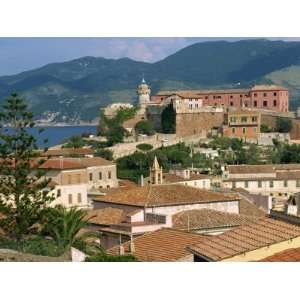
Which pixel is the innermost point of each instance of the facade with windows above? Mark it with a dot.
(277, 181)
(73, 178)
(269, 97)
(242, 124)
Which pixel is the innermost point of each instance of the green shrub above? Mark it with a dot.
(144, 147)
(111, 258)
(35, 245)
(283, 125)
(264, 128)
(144, 127)
(107, 154)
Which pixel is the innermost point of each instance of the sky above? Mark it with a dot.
(21, 54)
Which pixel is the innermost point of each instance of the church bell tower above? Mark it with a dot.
(156, 173)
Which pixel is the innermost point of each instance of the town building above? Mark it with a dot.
(209, 221)
(278, 181)
(74, 178)
(269, 97)
(152, 207)
(243, 124)
(68, 183)
(177, 175)
(250, 242)
(69, 152)
(164, 245)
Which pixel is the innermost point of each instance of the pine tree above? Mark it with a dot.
(24, 192)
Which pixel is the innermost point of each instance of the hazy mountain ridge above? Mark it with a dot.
(75, 90)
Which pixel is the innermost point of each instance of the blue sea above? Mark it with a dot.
(56, 135)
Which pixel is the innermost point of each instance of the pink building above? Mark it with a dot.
(269, 97)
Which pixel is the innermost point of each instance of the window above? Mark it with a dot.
(265, 103)
(109, 174)
(244, 130)
(271, 184)
(241, 96)
(255, 95)
(70, 200)
(79, 198)
(265, 94)
(108, 186)
(233, 130)
(196, 105)
(255, 103)
(78, 178)
(231, 97)
(285, 183)
(232, 119)
(259, 184)
(195, 183)
(91, 176)
(206, 97)
(246, 184)
(254, 119)
(58, 194)
(100, 175)
(298, 183)
(190, 106)
(244, 119)
(231, 103)
(233, 185)
(254, 129)
(274, 103)
(275, 94)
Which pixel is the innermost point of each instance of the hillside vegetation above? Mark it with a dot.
(74, 91)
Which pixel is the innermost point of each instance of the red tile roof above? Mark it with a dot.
(68, 152)
(245, 238)
(75, 163)
(106, 216)
(163, 245)
(198, 219)
(289, 255)
(164, 195)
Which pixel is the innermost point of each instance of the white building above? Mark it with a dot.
(277, 181)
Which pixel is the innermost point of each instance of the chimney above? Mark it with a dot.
(131, 246)
(121, 250)
(142, 180)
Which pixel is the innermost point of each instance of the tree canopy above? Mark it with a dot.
(24, 190)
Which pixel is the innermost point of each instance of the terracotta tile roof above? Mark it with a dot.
(289, 255)
(271, 87)
(198, 219)
(253, 204)
(106, 216)
(288, 175)
(245, 238)
(61, 164)
(249, 209)
(172, 178)
(68, 152)
(75, 163)
(164, 195)
(92, 161)
(253, 169)
(199, 93)
(161, 246)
